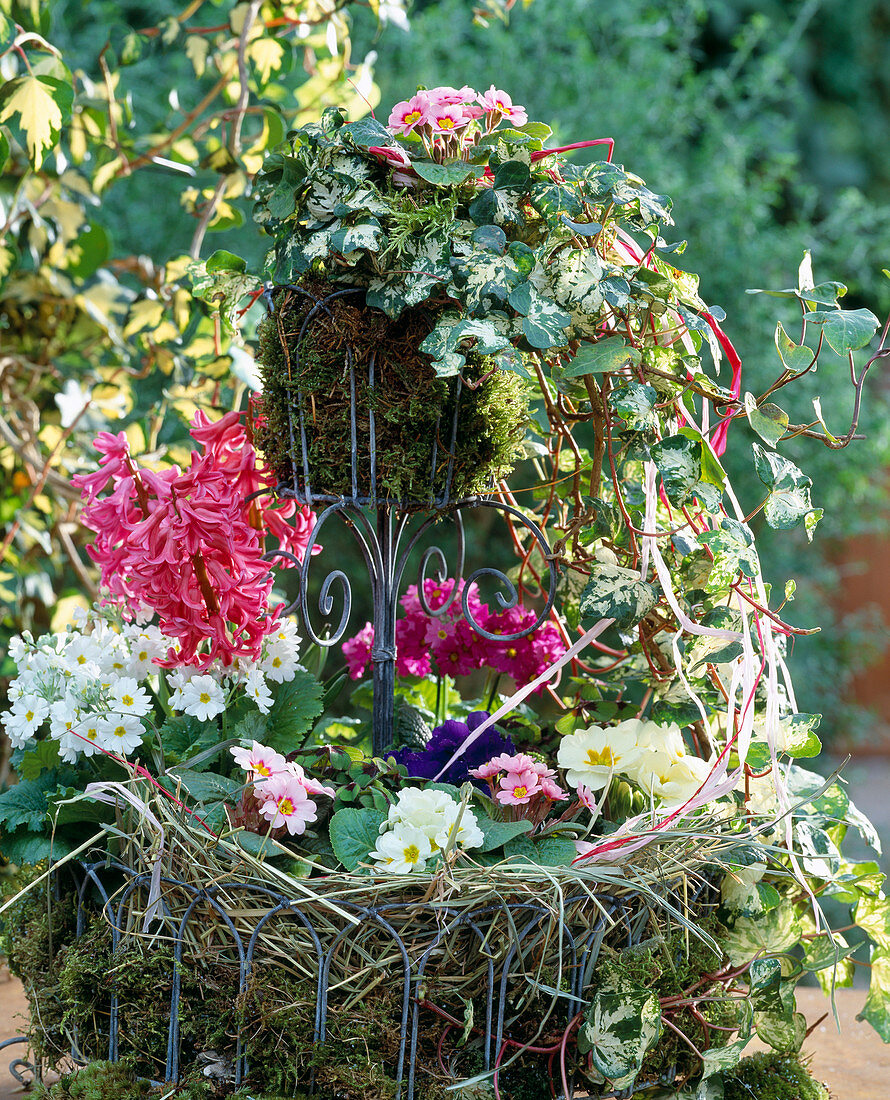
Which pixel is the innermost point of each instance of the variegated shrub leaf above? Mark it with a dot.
(620, 1025)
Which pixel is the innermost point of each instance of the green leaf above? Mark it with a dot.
(552, 851)
(635, 404)
(184, 736)
(873, 917)
(616, 593)
(23, 848)
(43, 756)
(825, 294)
(678, 459)
(490, 238)
(4, 150)
(368, 131)
(25, 804)
(768, 420)
(789, 501)
(795, 357)
(444, 175)
(846, 329)
(221, 260)
(512, 175)
(206, 786)
(354, 834)
(499, 833)
(876, 1010)
(606, 355)
(292, 715)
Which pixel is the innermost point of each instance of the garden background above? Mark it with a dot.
(131, 133)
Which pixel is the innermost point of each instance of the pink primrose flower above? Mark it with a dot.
(310, 785)
(495, 102)
(518, 788)
(451, 96)
(409, 114)
(445, 118)
(585, 795)
(551, 790)
(260, 761)
(285, 803)
(459, 652)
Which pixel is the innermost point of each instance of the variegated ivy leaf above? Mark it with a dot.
(577, 286)
(616, 593)
(502, 208)
(789, 501)
(543, 322)
(424, 266)
(554, 203)
(296, 253)
(364, 235)
(642, 206)
(485, 278)
(876, 1010)
(443, 343)
(620, 1026)
(732, 545)
(769, 933)
(634, 403)
(679, 462)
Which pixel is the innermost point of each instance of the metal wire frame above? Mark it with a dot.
(114, 890)
(379, 525)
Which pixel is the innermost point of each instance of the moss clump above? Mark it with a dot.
(413, 409)
(772, 1076)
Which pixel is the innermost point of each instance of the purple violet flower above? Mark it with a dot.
(444, 742)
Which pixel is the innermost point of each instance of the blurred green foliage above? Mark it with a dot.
(764, 122)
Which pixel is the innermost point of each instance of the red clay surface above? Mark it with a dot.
(854, 1064)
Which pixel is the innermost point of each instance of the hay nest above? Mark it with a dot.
(370, 985)
(416, 461)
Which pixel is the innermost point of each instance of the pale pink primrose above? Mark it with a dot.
(312, 786)
(518, 788)
(260, 761)
(286, 803)
(496, 101)
(445, 119)
(408, 114)
(551, 790)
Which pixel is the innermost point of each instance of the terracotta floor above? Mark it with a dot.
(855, 1064)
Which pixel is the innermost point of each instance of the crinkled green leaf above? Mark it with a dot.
(499, 833)
(354, 834)
(552, 851)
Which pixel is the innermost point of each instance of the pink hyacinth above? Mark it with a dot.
(188, 544)
(518, 788)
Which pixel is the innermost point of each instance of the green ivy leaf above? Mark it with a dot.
(368, 131)
(795, 357)
(499, 833)
(768, 420)
(512, 175)
(354, 834)
(789, 501)
(444, 175)
(846, 329)
(602, 357)
(616, 593)
(876, 1010)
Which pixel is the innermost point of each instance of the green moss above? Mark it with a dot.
(772, 1076)
(97, 1081)
(413, 409)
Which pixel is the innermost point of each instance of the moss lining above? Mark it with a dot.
(412, 407)
(772, 1076)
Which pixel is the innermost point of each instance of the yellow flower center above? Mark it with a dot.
(443, 633)
(511, 652)
(119, 731)
(81, 660)
(604, 758)
(92, 734)
(520, 792)
(276, 662)
(286, 807)
(445, 123)
(412, 853)
(142, 655)
(411, 117)
(127, 700)
(29, 716)
(261, 769)
(204, 696)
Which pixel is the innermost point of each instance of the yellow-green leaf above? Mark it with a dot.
(36, 105)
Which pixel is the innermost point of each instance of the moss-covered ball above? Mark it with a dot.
(772, 1076)
(413, 409)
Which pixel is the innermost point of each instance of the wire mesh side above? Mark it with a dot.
(423, 948)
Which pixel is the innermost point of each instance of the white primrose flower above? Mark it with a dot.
(667, 739)
(121, 733)
(402, 850)
(256, 688)
(91, 728)
(592, 756)
(202, 697)
(428, 811)
(280, 662)
(669, 779)
(127, 697)
(148, 645)
(64, 715)
(27, 715)
(469, 835)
